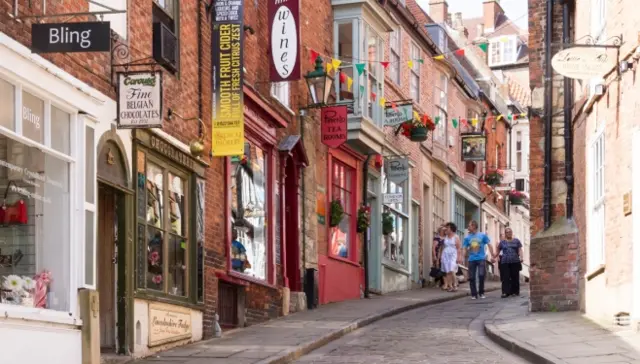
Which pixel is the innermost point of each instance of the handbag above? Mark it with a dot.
(13, 214)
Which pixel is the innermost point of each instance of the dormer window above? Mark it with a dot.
(503, 50)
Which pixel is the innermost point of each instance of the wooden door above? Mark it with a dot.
(106, 267)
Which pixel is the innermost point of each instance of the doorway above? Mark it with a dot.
(110, 268)
(292, 223)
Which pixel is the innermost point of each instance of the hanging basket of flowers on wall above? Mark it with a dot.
(364, 218)
(516, 198)
(336, 213)
(417, 130)
(387, 223)
(493, 177)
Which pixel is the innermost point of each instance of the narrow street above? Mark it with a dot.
(450, 332)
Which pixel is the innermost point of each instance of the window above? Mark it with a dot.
(520, 184)
(343, 189)
(598, 19)
(441, 101)
(596, 247)
(280, 90)
(439, 198)
(395, 245)
(519, 151)
(375, 82)
(166, 19)
(395, 49)
(162, 224)
(503, 50)
(415, 73)
(346, 55)
(90, 207)
(249, 200)
(7, 104)
(459, 215)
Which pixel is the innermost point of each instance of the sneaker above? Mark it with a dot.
(474, 297)
(483, 296)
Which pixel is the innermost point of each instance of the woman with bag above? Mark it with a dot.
(510, 264)
(450, 257)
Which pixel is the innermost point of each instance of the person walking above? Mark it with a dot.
(475, 244)
(450, 257)
(510, 264)
(438, 245)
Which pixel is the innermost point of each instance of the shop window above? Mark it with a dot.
(7, 105)
(32, 117)
(395, 245)
(90, 207)
(249, 212)
(439, 198)
(35, 231)
(343, 189)
(60, 130)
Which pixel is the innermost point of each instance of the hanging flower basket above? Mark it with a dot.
(364, 218)
(493, 177)
(417, 130)
(516, 198)
(337, 213)
(387, 223)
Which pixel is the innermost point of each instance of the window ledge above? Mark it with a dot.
(595, 272)
(39, 315)
(249, 279)
(395, 267)
(283, 106)
(344, 260)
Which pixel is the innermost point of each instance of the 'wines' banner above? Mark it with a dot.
(227, 40)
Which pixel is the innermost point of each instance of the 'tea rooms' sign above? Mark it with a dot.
(71, 37)
(284, 22)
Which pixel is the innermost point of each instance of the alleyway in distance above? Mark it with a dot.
(450, 332)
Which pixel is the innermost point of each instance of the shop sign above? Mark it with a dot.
(227, 52)
(333, 121)
(474, 147)
(398, 115)
(397, 170)
(168, 324)
(284, 21)
(392, 198)
(140, 100)
(583, 63)
(71, 37)
(170, 151)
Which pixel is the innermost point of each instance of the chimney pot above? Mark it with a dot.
(480, 30)
(438, 10)
(491, 9)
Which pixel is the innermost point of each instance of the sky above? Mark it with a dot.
(516, 10)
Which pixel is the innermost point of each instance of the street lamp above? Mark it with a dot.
(320, 84)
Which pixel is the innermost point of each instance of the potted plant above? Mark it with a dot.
(493, 177)
(516, 198)
(417, 130)
(364, 218)
(387, 223)
(336, 213)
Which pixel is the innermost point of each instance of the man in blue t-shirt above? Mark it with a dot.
(475, 244)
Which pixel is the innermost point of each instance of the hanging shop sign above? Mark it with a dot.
(474, 147)
(397, 115)
(584, 63)
(140, 100)
(228, 98)
(392, 198)
(284, 21)
(334, 125)
(71, 37)
(397, 170)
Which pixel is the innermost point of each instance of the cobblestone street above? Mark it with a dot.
(450, 332)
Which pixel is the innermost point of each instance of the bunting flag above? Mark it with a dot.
(329, 67)
(349, 83)
(510, 117)
(460, 52)
(484, 47)
(343, 77)
(410, 64)
(439, 57)
(374, 96)
(416, 115)
(314, 55)
(523, 115)
(385, 64)
(394, 106)
(504, 39)
(464, 122)
(361, 90)
(336, 63)
(421, 61)
(454, 122)
(383, 101)
(437, 120)
(360, 67)
(474, 122)
(500, 117)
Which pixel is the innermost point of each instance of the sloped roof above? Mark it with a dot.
(518, 92)
(504, 26)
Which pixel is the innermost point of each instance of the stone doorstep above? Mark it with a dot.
(290, 354)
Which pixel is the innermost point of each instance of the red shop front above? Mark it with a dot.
(341, 273)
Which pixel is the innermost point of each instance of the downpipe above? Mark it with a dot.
(568, 114)
(548, 102)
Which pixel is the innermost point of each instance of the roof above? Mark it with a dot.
(504, 26)
(518, 93)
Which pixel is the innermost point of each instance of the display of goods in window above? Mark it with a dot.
(517, 198)
(26, 291)
(364, 218)
(337, 213)
(417, 130)
(493, 177)
(387, 223)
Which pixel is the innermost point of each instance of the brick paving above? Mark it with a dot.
(562, 337)
(288, 338)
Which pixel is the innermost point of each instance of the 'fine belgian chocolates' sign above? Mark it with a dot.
(71, 37)
(140, 100)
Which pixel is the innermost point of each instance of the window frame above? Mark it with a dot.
(281, 91)
(598, 23)
(442, 87)
(416, 54)
(439, 203)
(519, 154)
(596, 227)
(353, 254)
(377, 73)
(497, 48)
(395, 52)
(402, 215)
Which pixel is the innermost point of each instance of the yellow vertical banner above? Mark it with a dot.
(227, 130)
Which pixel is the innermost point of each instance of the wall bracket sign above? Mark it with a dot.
(588, 58)
(120, 56)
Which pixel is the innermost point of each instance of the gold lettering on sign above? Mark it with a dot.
(170, 151)
(168, 323)
(110, 157)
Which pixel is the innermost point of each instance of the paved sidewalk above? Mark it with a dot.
(561, 337)
(286, 339)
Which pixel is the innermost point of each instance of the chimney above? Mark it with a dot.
(438, 10)
(491, 10)
(457, 21)
(480, 30)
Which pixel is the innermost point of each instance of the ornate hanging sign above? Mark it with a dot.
(284, 21)
(474, 147)
(333, 125)
(584, 63)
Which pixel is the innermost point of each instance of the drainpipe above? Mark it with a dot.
(200, 130)
(568, 115)
(302, 114)
(548, 101)
(365, 235)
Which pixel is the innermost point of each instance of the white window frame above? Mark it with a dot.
(281, 91)
(599, 20)
(497, 47)
(89, 206)
(402, 214)
(441, 100)
(596, 221)
(395, 52)
(519, 153)
(416, 54)
(76, 200)
(439, 217)
(376, 73)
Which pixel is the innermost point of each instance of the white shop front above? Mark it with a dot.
(48, 125)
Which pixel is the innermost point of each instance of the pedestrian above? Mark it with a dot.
(450, 257)
(475, 244)
(510, 264)
(438, 245)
